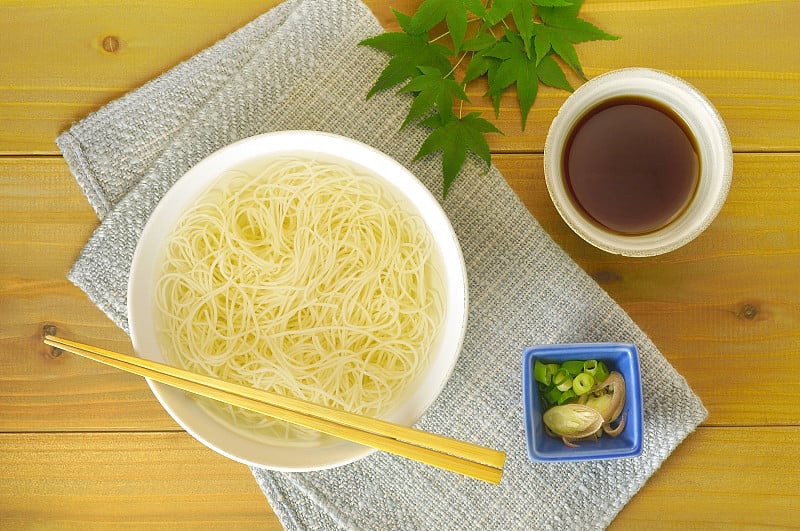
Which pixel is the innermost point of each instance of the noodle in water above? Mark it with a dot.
(306, 278)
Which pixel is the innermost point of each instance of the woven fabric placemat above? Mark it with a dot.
(299, 66)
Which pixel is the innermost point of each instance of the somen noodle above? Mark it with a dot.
(307, 278)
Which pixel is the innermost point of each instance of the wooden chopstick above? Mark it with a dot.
(454, 455)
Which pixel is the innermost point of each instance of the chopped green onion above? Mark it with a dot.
(567, 397)
(590, 367)
(582, 383)
(601, 373)
(543, 372)
(540, 373)
(573, 367)
(562, 380)
(552, 396)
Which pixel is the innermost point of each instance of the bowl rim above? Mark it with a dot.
(202, 175)
(634, 404)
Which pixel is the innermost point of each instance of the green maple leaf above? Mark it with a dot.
(569, 11)
(536, 33)
(409, 53)
(480, 63)
(432, 90)
(480, 41)
(561, 29)
(454, 137)
(522, 12)
(500, 9)
(453, 12)
(515, 67)
(551, 74)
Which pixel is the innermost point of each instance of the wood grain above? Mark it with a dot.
(140, 480)
(64, 75)
(168, 480)
(722, 478)
(45, 220)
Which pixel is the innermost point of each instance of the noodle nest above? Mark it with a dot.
(305, 278)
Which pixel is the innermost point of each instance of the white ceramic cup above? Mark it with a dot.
(699, 115)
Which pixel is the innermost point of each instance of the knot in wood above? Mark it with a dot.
(748, 311)
(110, 43)
(51, 330)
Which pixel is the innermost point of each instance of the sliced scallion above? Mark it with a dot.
(552, 396)
(540, 373)
(573, 367)
(562, 380)
(601, 373)
(582, 383)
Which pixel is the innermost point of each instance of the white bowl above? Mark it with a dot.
(448, 258)
(712, 141)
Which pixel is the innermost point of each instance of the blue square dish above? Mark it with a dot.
(620, 357)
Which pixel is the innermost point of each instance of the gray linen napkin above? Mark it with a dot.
(299, 67)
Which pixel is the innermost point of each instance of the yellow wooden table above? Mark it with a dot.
(87, 446)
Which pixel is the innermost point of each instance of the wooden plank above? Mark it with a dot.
(171, 481)
(710, 306)
(66, 75)
(722, 478)
(44, 221)
(113, 480)
(109, 48)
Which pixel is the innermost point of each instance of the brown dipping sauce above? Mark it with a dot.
(631, 165)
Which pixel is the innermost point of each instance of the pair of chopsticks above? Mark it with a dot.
(454, 455)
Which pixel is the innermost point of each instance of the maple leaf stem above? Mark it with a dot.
(456, 65)
(465, 83)
(439, 37)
